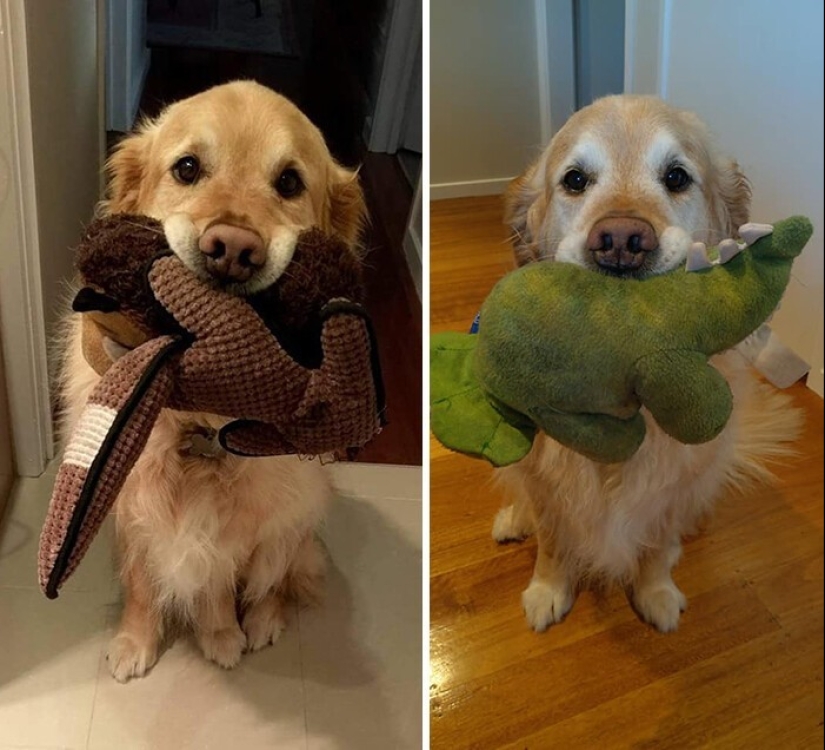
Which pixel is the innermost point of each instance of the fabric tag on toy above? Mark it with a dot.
(476, 323)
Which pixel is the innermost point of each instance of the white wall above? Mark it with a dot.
(61, 41)
(485, 119)
(51, 140)
(754, 72)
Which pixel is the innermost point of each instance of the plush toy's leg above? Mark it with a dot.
(653, 593)
(216, 627)
(462, 417)
(597, 436)
(549, 597)
(688, 398)
(134, 649)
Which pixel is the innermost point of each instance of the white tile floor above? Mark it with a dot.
(345, 675)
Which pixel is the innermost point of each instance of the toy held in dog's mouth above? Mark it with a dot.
(295, 368)
(577, 354)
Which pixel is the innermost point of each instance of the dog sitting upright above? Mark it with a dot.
(234, 174)
(624, 188)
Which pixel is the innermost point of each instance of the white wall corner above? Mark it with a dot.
(21, 298)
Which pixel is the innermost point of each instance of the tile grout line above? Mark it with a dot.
(100, 657)
(303, 684)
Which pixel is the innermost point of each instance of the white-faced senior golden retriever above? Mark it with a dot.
(624, 188)
(234, 174)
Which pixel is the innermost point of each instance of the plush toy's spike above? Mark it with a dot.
(729, 249)
(697, 259)
(751, 231)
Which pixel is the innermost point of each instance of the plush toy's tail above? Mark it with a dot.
(107, 440)
(462, 416)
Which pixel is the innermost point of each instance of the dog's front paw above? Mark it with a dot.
(224, 647)
(263, 624)
(660, 605)
(128, 657)
(546, 604)
(510, 526)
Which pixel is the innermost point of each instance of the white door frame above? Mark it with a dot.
(21, 301)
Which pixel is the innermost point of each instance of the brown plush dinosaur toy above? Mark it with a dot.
(295, 367)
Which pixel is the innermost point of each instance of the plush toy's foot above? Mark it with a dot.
(129, 656)
(224, 647)
(511, 525)
(546, 603)
(263, 623)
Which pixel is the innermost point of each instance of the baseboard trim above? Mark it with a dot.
(378, 481)
(471, 188)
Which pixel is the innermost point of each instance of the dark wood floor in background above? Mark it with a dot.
(745, 668)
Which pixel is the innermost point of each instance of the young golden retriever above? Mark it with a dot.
(234, 174)
(624, 188)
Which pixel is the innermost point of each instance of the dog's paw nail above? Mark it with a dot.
(127, 658)
(661, 607)
(546, 604)
(262, 629)
(224, 647)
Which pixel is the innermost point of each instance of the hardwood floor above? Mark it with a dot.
(745, 669)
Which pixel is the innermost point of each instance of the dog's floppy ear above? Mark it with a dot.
(734, 196)
(126, 171)
(524, 206)
(347, 207)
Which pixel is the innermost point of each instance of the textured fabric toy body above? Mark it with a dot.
(188, 345)
(577, 353)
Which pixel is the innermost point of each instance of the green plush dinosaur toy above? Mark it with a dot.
(577, 353)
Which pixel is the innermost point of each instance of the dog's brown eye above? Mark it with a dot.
(676, 180)
(187, 170)
(289, 184)
(575, 181)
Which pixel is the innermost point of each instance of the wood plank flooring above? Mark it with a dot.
(745, 669)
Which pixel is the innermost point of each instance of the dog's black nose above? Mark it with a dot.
(232, 253)
(619, 243)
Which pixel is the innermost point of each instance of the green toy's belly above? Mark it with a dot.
(556, 345)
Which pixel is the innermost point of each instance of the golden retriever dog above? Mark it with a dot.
(624, 188)
(234, 174)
